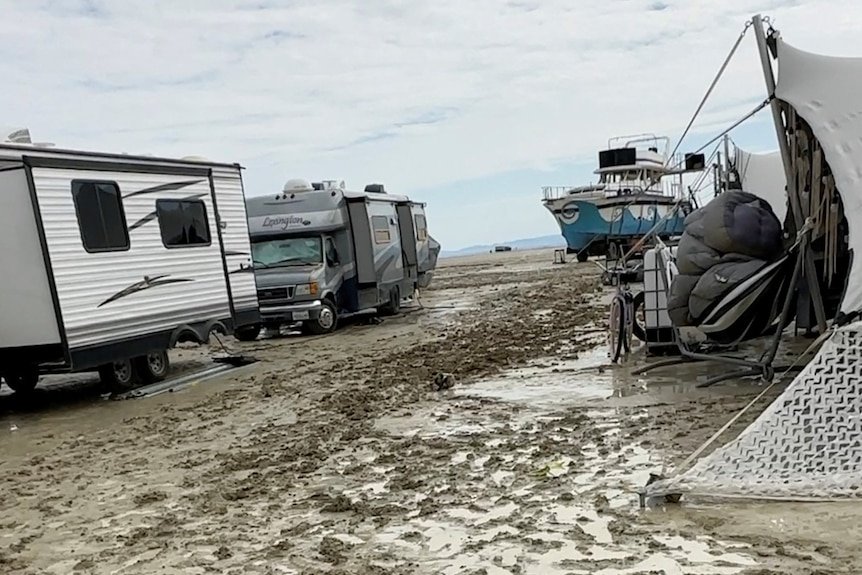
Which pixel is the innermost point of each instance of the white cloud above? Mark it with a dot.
(416, 94)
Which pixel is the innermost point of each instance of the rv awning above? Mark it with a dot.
(827, 92)
(763, 176)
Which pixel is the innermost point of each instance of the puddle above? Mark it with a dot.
(546, 387)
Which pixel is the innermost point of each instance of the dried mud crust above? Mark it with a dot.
(354, 453)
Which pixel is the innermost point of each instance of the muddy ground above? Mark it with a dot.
(483, 433)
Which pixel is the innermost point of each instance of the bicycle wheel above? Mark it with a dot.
(617, 327)
(628, 321)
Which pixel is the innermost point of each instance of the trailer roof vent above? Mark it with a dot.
(375, 189)
(296, 185)
(195, 159)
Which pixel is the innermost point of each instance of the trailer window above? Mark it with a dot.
(183, 223)
(421, 228)
(100, 216)
(380, 225)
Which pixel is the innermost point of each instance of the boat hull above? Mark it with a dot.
(592, 225)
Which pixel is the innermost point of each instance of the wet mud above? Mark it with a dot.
(481, 432)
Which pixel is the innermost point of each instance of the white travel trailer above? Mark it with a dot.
(111, 259)
(322, 253)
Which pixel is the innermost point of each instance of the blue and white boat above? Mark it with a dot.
(634, 193)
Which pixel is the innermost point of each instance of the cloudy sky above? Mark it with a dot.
(469, 105)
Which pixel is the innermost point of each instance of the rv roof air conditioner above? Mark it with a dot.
(296, 185)
(375, 189)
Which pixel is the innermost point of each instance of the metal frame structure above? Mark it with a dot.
(785, 126)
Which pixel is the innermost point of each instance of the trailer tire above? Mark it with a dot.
(326, 322)
(247, 332)
(22, 382)
(152, 367)
(119, 375)
(583, 255)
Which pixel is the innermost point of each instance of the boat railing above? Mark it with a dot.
(550, 193)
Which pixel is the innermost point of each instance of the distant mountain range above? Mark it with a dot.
(554, 241)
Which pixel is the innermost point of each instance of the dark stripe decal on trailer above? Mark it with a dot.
(146, 283)
(230, 253)
(165, 187)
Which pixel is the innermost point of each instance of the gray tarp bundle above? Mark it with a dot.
(725, 242)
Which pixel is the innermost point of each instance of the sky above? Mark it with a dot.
(469, 105)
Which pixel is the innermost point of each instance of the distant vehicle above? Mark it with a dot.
(322, 253)
(635, 192)
(111, 259)
(502, 248)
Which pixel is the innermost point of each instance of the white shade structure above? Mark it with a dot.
(806, 445)
(763, 176)
(827, 93)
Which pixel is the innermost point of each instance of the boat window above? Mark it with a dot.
(380, 225)
(421, 228)
(183, 223)
(100, 216)
(286, 252)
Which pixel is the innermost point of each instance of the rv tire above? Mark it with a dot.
(583, 255)
(326, 322)
(119, 375)
(152, 367)
(394, 304)
(247, 332)
(22, 382)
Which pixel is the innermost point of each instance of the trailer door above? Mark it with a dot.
(27, 313)
(232, 228)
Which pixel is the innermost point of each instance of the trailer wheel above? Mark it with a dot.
(583, 256)
(119, 375)
(247, 332)
(326, 322)
(152, 367)
(22, 382)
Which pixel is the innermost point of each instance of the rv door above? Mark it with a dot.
(407, 233)
(363, 256)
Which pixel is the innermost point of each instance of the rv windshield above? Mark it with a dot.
(287, 252)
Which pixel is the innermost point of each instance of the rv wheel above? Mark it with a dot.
(22, 382)
(326, 322)
(583, 255)
(119, 375)
(152, 367)
(393, 306)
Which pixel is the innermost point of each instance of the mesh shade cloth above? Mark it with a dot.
(806, 445)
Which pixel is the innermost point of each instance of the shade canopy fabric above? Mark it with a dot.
(763, 176)
(826, 92)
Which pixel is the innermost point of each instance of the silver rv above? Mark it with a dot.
(112, 259)
(322, 253)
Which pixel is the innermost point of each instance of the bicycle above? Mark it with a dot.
(623, 323)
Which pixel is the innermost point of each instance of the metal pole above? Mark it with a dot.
(757, 23)
(792, 192)
(726, 169)
(717, 176)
